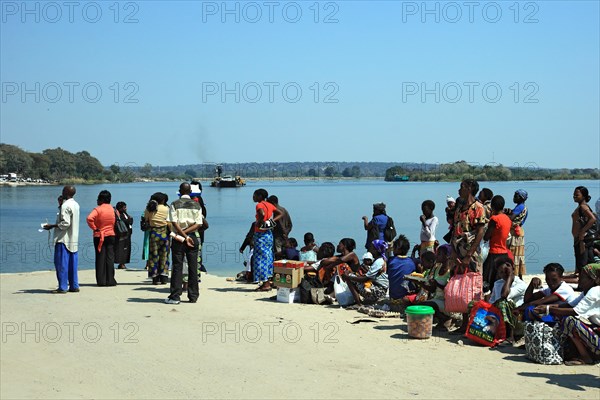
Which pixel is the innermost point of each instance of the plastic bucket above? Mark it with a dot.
(420, 321)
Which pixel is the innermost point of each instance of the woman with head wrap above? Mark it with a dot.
(376, 227)
(580, 322)
(516, 238)
(583, 236)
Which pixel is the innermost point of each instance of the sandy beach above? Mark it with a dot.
(124, 342)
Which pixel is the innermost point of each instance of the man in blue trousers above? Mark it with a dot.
(66, 240)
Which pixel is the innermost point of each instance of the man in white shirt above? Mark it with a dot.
(66, 241)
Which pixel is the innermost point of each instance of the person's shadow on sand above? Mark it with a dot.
(35, 291)
(138, 300)
(571, 381)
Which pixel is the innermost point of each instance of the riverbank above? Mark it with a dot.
(124, 342)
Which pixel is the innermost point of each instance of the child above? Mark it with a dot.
(451, 207)
(429, 224)
(367, 262)
(497, 234)
(399, 266)
(309, 252)
(291, 251)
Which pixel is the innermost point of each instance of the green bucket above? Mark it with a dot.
(420, 310)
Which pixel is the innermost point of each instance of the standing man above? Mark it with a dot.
(66, 241)
(281, 230)
(185, 216)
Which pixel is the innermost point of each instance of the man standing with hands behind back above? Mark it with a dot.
(66, 240)
(185, 215)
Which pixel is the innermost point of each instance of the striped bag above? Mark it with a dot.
(461, 290)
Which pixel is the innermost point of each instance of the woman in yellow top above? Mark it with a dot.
(156, 215)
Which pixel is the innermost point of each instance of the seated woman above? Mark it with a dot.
(346, 260)
(326, 251)
(309, 251)
(508, 293)
(373, 285)
(557, 292)
(580, 319)
(437, 279)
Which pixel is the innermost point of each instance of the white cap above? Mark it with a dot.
(367, 256)
(450, 199)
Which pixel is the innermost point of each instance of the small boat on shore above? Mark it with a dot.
(226, 181)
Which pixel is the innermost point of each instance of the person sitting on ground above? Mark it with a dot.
(325, 252)
(345, 260)
(374, 275)
(399, 266)
(291, 250)
(497, 234)
(580, 319)
(508, 293)
(557, 292)
(429, 223)
(418, 279)
(437, 279)
(308, 252)
(425, 261)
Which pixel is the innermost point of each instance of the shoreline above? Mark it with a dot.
(276, 179)
(238, 343)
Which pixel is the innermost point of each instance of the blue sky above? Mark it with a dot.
(512, 83)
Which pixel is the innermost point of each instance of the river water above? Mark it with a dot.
(331, 209)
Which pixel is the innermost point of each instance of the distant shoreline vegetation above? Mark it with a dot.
(59, 166)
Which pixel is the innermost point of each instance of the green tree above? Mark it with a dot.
(41, 166)
(329, 171)
(62, 163)
(14, 159)
(355, 171)
(88, 167)
(115, 169)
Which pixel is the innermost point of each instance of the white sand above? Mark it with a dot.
(123, 342)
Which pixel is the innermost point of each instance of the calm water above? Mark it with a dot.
(331, 210)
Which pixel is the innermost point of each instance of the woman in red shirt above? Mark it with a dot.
(262, 259)
(102, 222)
(497, 234)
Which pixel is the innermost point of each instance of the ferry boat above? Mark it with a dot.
(226, 181)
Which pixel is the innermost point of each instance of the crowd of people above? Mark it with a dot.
(484, 237)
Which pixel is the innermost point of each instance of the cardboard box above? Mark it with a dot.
(287, 277)
(287, 295)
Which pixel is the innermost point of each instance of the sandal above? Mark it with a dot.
(575, 362)
(263, 288)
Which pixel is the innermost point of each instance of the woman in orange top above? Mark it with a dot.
(102, 221)
(262, 259)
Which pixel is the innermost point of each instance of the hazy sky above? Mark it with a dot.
(193, 82)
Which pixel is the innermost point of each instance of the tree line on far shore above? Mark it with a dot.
(61, 166)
